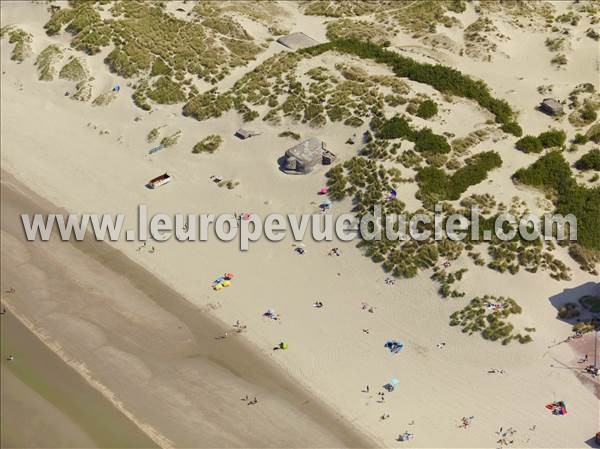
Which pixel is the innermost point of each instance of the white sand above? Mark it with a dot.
(47, 144)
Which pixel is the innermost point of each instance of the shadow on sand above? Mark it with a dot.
(573, 295)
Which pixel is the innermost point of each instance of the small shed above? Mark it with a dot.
(305, 156)
(244, 133)
(296, 41)
(551, 106)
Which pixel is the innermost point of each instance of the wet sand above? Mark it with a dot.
(45, 403)
(149, 351)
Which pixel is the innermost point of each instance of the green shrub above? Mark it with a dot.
(427, 109)
(552, 171)
(549, 171)
(209, 144)
(425, 140)
(160, 68)
(46, 60)
(593, 133)
(153, 134)
(589, 161)
(580, 139)
(475, 318)
(22, 41)
(560, 59)
(428, 142)
(171, 140)
(434, 181)
(512, 128)
(553, 138)
(166, 91)
(529, 144)
(395, 128)
(588, 115)
(74, 70)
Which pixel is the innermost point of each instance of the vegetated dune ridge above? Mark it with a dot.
(73, 163)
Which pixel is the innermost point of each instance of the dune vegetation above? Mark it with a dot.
(488, 316)
(551, 172)
(209, 144)
(46, 62)
(20, 39)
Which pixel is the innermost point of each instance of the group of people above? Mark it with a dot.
(367, 307)
(335, 252)
(250, 402)
(466, 422)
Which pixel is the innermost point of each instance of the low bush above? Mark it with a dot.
(512, 128)
(549, 171)
(529, 144)
(553, 138)
(427, 109)
(209, 144)
(428, 142)
(395, 128)
(171, 140)
(552, 172)
(589, 161)
(425, 140)
(434, 181)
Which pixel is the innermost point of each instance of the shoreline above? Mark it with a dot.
(240, 359)
(74, 418)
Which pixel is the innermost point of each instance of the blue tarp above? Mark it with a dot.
(156, 149)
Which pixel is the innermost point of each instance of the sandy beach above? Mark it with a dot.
(141, 328)
(133, 332)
